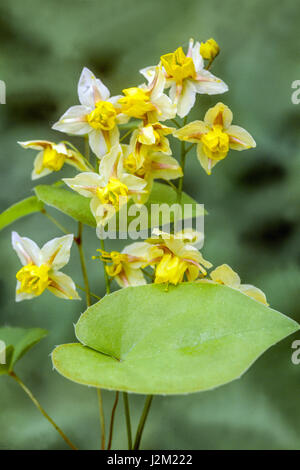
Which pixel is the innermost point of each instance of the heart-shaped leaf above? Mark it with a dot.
(188, 338)
(20, 209)
(78, 207)
(16, 342)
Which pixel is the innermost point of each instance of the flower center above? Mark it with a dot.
(112, 193)
(215, 143)
(103, 117)
(178, 66)
(52, 159)
(34, 279)
(116, 259)
(136, 102)
(170, 269)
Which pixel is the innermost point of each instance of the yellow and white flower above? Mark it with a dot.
(126, 267)
(41, 268)
(97, 116)
(179, 257)
(52, 157)
(185, 76)
(225, 275)
(148, 102)
(141, 161)
(110, 189)
(215, 136)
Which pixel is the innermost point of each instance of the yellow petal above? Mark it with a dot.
(239, 138)
(219, 114)
(224, 274)
(254, 292)
(192, 132)
(205, 162)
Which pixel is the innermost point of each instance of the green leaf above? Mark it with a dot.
(191, 338)
(20, 209)
(68, 202)
(17, 342)
(78, 207)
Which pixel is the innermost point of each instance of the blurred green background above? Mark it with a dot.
(253, 199)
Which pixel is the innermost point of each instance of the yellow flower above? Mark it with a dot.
(178, 66)
(148, 102)
(186, 76)
(97, 116)
(140, 160)
(52, 157)
(41, 268)
(110, 189)
(215, 136)
(126, 267)
(209, 49)
(179, 258)
(225, 275)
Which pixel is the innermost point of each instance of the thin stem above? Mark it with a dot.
(176, 123)
(112, 420)
(41, 409)
(142, 422)
(127, 417)
(101, 415)
(84, 290)
(189, 148)
(126, 134)
(171, 184)
(182, 164)
(78, 240)
(107, 283)
(87, 148)
(55, 222)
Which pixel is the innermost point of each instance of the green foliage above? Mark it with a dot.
(191, 338)
(20, 209)
(18, 341)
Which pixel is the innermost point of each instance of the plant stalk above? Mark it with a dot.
(41, 409)
(127, 417)
(112, 420)
(142, 422)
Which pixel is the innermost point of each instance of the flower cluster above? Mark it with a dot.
(130, 139)
(172, 258)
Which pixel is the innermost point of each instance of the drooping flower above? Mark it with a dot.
(97, 116)
(209, 49)
(148, 102)
(215, 136)
(140, 160)
(126, 267)
(52, 157)
(179, 258)
(41, 268)
(186, 76)
(225, 275)
(110, 189)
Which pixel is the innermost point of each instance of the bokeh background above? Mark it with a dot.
(253, 199)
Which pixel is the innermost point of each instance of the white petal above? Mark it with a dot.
(63, 286)
(109, 162)
(26, 249)
(91, 89)
(97, 143)
(35, 144)
(132, 182)
(167, 109)
(149, 72)
(239, 138)
(74, 121)
(85, 183)
(22, 295)
(38, 170)
(208, 84)
(186, 99)
(197, 57)
(56, 252)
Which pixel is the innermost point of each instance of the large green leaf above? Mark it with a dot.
(20, 209)
(78, 207)
(190, 338)
(17, 342)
